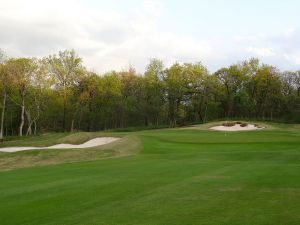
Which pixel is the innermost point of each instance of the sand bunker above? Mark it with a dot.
(236, 127)
(91, 143)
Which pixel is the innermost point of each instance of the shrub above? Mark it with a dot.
(229, 124)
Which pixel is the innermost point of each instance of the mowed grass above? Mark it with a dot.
(171, 176)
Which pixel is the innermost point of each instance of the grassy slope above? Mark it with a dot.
(126, 146)
(180, 176)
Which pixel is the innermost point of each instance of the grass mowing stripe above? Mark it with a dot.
(180, 176)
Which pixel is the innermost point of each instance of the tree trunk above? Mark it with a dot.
(89, 116)
(271, 114)
(11, 125)
(64, 116)
(29, 129)
(157, 121)
(64, 105)
(72, 125)
(74, 118)
(146, 121)
(22, 118)
(80, 119)
(35, 127)
(172, 112)
(205, 111)
(2, 116)
(200, 115)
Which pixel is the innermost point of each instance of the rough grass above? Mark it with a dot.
(126, 146)
(171, 176)
(57, 138)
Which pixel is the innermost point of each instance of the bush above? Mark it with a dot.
(229, 124)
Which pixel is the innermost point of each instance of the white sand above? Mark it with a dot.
(91, 143)
(236, 127)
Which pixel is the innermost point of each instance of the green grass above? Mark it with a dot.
(157, 177)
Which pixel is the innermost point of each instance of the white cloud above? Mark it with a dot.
(261, 52)
(280, 49)
(251, 38)
(104, 39)
(293, 58)
(109, 39)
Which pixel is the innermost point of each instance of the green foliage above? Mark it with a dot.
(58, 94)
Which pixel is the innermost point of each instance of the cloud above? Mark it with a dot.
(280, 49)
(251, 38)
(105, 39)
(261, 52)
(293, 58)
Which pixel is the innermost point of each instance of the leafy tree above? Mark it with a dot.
(57, 93)
(40, 84)
(21, 71)
(231, 82)
(199, 88)
(131, 94)
(110, 100)
(175, 86)
(65, 68)
(4, 83)
(153, 91)
(88, 91)
(268, 92)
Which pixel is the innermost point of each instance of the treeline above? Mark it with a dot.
(57, 93)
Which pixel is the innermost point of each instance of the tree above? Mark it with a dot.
(65, 68)
(21, 71)
(36, 100)
(231, 82)
(250, 69)
(199, 89)
(176, 86)
(297, 82)
(153, 91)
(110, 100)
(88, 90)
(131, 94)
(4, 82)
(57, 93)
(268, 94)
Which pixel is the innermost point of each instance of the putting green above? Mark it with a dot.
(171, 176)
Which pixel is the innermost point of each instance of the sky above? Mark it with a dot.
(115, 34)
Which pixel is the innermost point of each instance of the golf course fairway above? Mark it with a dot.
(155, 177)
